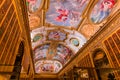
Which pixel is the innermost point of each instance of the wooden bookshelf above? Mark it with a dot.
(112, 44)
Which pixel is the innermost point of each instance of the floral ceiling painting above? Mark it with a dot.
(102, 10)
(66, 12)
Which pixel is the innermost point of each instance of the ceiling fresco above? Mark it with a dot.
(59, 28)
(47, 66)
(71, 38)
(66, 12)
(55, 44)
(101, 10)
(61, 53)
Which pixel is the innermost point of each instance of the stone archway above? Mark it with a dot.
(101, 62)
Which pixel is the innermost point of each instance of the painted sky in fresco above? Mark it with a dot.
(65, 12)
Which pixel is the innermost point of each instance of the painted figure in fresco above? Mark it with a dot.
(66, 12)
(68, 53)
(33, 5)
(54, 35)
(74, 17)
(104, 11)
(57, 35)
(63, 15)
(47, 68)
(57, 67)
(40, 55)
(64, 53)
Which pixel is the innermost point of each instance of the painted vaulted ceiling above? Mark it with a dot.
(59, 28)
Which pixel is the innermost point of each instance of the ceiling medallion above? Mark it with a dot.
(37, 37)
(74, 41)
